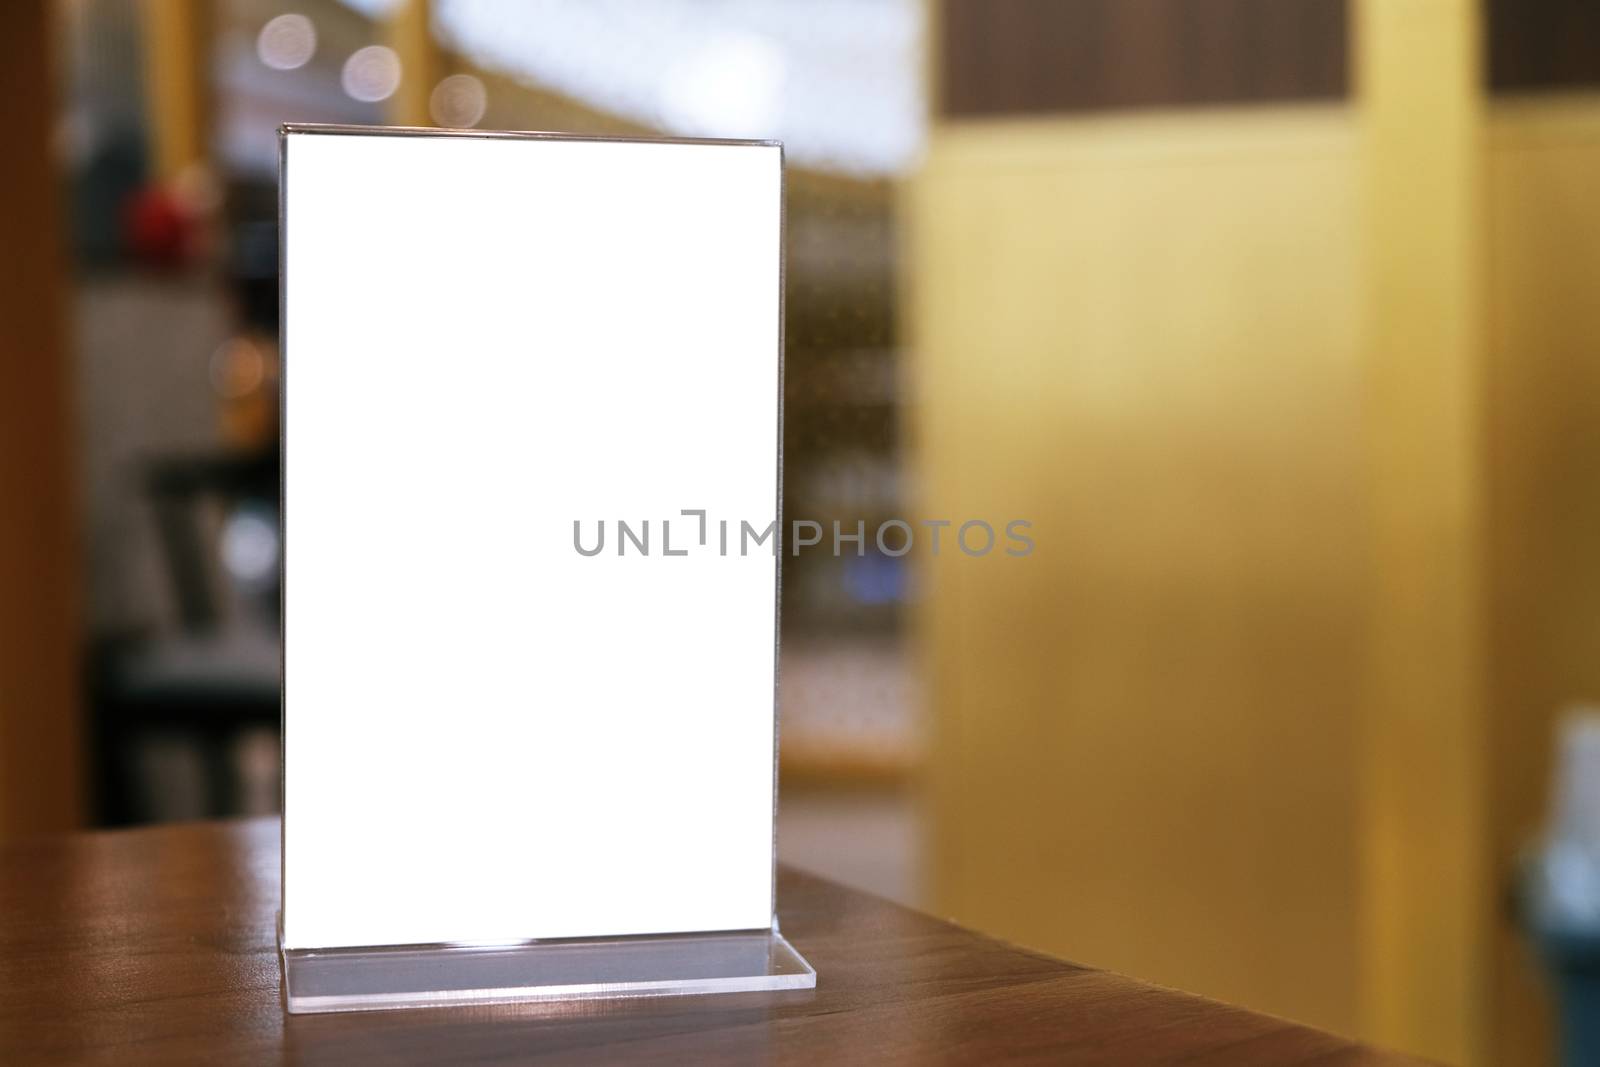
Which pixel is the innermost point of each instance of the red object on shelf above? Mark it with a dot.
(156, 229)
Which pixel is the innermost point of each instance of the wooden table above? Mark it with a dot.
(156, 946)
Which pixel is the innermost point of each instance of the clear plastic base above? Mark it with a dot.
(420, 976)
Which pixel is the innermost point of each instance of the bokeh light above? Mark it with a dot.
(287, 42)
(371, 74)
(458, 100)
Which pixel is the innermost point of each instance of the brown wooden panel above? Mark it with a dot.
(1543, 44)
(1040, 56)
(39, 757)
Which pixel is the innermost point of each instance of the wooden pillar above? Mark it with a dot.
(410, 32)
(40, 758)
(1427, 884)
(177, 76)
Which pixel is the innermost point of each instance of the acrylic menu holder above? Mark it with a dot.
(516, 767)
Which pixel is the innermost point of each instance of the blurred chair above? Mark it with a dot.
(217, 675)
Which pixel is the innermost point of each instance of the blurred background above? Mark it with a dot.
(1278, 319)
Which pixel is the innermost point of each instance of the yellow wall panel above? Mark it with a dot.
(1142, 335)
(1309, 454)
(1427, 883)
(1543, 381)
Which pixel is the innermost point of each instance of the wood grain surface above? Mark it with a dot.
(156, 946)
